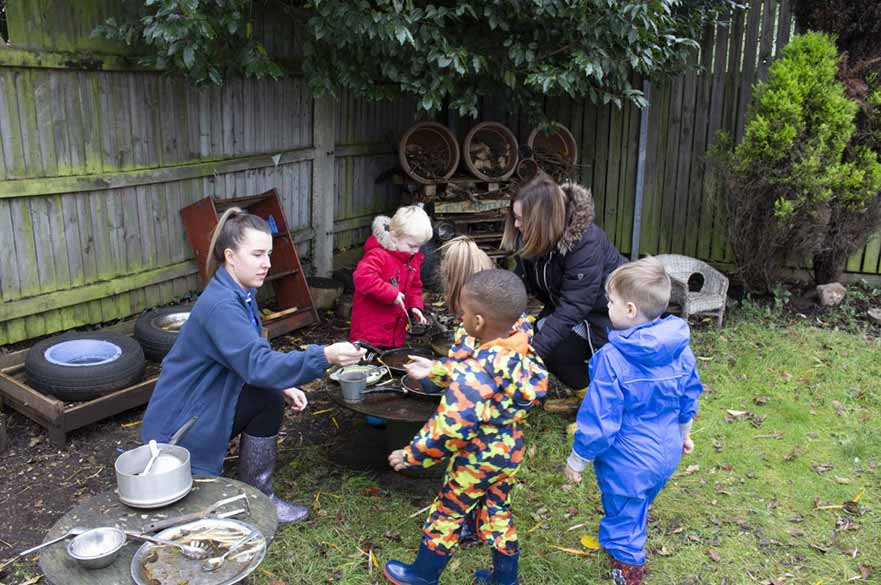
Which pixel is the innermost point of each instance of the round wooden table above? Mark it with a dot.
(392, 406)
(106, 510)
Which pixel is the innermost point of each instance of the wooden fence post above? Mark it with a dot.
(323, 192)
(2, 427)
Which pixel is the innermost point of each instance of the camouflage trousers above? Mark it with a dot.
(468, 488)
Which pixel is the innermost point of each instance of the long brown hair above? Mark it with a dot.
(229, 233)
(461, 259)
(543, 217)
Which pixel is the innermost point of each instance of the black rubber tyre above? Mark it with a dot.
(83, 366)
(155, 330)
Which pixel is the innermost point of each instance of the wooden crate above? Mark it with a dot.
(59, 417)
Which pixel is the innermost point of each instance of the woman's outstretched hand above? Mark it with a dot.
(343, 354)
(296, 398)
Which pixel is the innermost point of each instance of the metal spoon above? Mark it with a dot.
(214, 563)
(188, 550)
(75, 531)
(154, 450)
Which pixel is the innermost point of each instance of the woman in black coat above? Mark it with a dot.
(564, 259)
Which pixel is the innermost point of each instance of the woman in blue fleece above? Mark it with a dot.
(221, 370)
(635, 420)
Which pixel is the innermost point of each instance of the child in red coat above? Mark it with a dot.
(387, 281)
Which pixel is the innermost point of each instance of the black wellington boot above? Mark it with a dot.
(256, 464)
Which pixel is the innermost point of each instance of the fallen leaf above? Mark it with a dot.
(35, 441)
(761, 400)
(822, 468)
(392, 535)
(838, 407)
(589, 542)
(531, 452)
(842, 480)
(819, 548)
(691, 469)
(737, 413)
(664, 552)
(713, 554)
(572, 551)
(866, 572)
(796, 533)
(796, 451)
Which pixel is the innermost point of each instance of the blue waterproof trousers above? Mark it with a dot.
(623, 527)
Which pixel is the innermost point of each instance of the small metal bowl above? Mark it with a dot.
(96, 548)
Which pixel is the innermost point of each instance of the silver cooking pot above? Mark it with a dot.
(167, 484)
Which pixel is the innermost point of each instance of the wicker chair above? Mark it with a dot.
(709, 299)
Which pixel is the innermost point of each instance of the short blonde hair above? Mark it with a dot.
(411, 221)
(644, 283)
(461, 260)
(543, 206)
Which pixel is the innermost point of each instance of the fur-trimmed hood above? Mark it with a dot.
(579, 216)
(381, 232)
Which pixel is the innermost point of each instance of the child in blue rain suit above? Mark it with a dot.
(635, 420)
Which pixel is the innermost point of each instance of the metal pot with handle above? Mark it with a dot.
(168, 478)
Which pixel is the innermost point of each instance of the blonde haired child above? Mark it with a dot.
(387, 281)
(635, 421)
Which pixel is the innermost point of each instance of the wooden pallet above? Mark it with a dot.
(59, 417)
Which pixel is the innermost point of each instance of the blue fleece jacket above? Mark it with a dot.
(643, 386)
(219, 350)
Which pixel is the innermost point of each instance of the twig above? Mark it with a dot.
(419, 512)
(94, 474)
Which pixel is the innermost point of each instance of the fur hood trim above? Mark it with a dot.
(381, 232)
(579, 215)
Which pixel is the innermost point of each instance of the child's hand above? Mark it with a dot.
(419, 316)
(396, 460)
(399, 300)
(296, 398)
(419, 367)
(687, 445)
(572, 476)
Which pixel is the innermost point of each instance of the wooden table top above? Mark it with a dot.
(105, 509)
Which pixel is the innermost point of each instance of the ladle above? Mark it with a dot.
(75, 531)
(214, 563)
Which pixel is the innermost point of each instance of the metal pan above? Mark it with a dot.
(415, 388)
(395, 358)
(441, 342)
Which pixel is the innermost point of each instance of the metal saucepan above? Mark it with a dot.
(395, 358)
(441, 342)
(156, 488)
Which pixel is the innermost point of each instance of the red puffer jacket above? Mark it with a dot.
(380, 275)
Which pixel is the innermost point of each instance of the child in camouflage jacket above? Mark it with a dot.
(489, 390)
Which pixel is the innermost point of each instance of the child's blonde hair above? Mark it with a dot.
(644, 283)
(411, 221)
(461, 259)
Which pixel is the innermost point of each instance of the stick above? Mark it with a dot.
(278, 314)
(418, 512)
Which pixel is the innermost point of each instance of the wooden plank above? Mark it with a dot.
(101, 290)
(717, 98)
(42, 97)
(749, 64)
(697, 198)
(766, 47)
(613, 168)
(668, 205)
(601, 157)
(872, 255)
(115, 180)
(323, 185)
(654, 165)
(784, 26)
(89, 101)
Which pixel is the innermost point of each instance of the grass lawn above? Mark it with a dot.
(789, 431)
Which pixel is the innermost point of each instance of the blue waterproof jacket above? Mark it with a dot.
(644, 385)
(219, 350)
